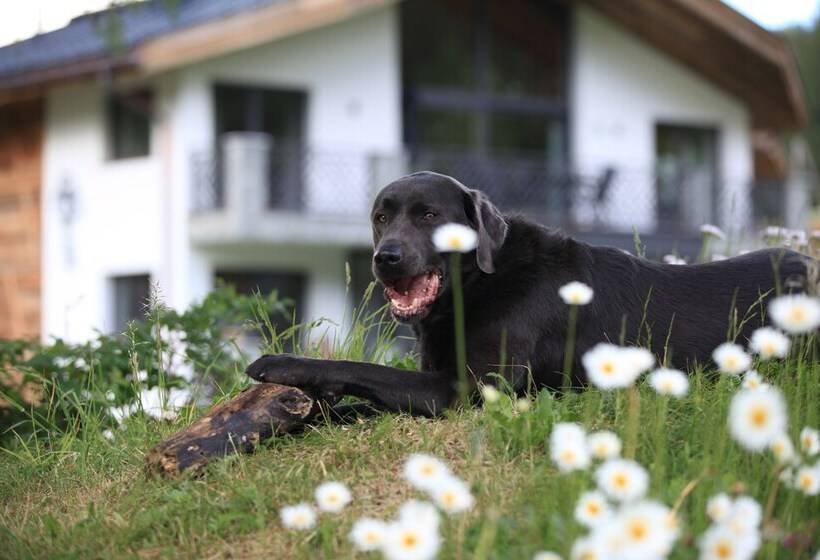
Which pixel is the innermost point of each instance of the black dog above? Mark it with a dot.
(511, 286)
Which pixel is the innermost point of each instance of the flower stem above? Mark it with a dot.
(569, 349)
(632, 418)
(458, 309)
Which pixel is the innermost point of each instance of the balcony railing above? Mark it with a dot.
(253, 175)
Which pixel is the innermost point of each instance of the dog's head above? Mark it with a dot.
(404, 216)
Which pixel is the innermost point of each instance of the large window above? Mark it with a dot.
(129, 299)
(485, 95)
(472, 68)
(129, 124)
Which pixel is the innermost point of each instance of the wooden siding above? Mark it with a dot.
(21, 143)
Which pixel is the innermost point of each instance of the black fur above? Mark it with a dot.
(511, 293)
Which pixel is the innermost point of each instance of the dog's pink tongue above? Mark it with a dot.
(409, 293)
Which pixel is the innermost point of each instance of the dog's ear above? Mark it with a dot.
(490, 225)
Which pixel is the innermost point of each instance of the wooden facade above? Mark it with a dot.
(21, 144)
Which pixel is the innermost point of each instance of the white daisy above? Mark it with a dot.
(452, 495)
(332, 496)
(568, 447)
(522, 405)
(713, 231)
(753, 381)
(745, 516)
(490, 394)
(368, 534)
(757, 418)
(783, 449)
(807, 480)
(673, 259)
(592, 509)
(455, 238)
(731, 358)
(405, 540)
(417, 512)
(607, 366)
(796, 314)
(623, 480)
(718, 507)
(720, 543)
(575, 293)
(639, 360)
(769, 343)
(669, 382)
(809, 441)
(301, 516)
(589, 548)
(643, 530)
(425, 471)
(604, 444)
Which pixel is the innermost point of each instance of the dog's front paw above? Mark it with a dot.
(296, 371)
(285, 369)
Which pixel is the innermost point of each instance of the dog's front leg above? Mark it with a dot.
(426, 394)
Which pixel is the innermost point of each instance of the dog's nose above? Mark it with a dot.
(389, 255)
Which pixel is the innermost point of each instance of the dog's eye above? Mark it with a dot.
(381, 218)
(429, 215)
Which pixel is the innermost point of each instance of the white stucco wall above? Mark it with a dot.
(620, 88)
(117, 226)
(133, 214)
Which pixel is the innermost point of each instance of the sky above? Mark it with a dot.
(22, 19)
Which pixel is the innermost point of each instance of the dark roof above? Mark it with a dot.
(102, 34)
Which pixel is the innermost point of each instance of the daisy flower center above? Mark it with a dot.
(410, 540)
(805, 482)
(759, 416)
(568, 456)
(723, 550)
(620, 480)
(371, 537)
(449, 499)
(798, 315)
(638, 530)
(769, 348)
(593, 508)
(667, 385)
(428, 470)
(454, 242)
(608, 368)
(731, 362)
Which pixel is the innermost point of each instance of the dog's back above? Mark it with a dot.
(681, 312)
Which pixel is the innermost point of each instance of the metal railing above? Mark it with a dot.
(342, 185)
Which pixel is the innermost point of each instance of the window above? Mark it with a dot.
(129, 124)
(130, 296)
(686, 186)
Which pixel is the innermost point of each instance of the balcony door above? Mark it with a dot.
(278, 113)
(687, 181)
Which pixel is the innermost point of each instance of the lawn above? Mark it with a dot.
(86, 496)
(70, 489)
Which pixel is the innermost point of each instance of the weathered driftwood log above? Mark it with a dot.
(234, 426)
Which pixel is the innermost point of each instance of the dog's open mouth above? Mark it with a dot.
(412, 296)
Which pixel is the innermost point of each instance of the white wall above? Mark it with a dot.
(620, 88)
(117, 228)
(133, 215)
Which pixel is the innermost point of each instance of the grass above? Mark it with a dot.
(75, 494)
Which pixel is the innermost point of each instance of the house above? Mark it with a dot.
(191, 141)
